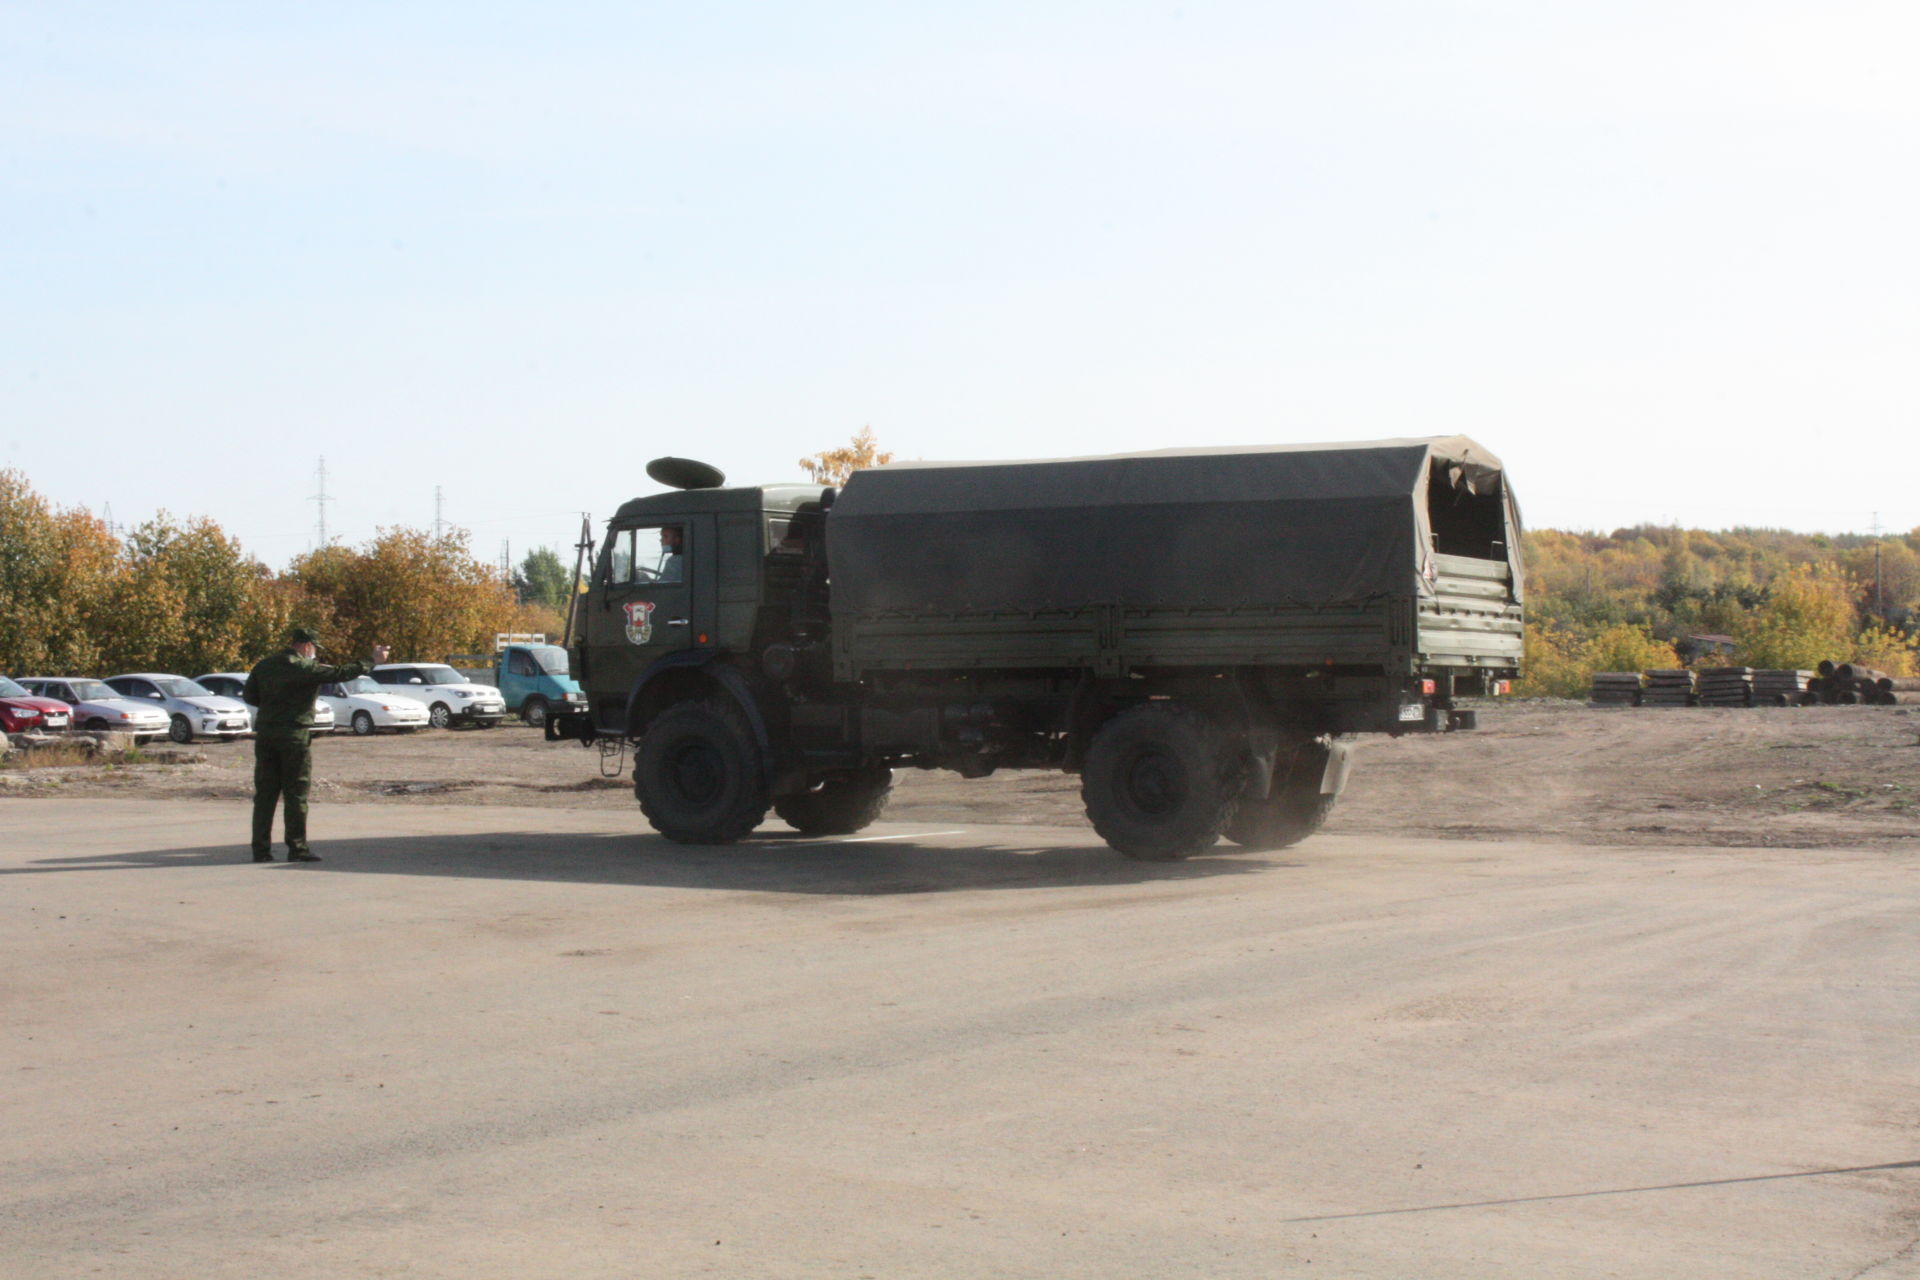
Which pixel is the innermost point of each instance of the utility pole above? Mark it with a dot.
(1879, 596)
(439, 520)
(321, 500)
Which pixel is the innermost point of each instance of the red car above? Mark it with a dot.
(23, 712)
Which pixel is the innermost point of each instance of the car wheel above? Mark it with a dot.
(534, 712)
(362, 724)
(698, 774)
(96, 723)
(1160, 781)
(180, 730)
(440, 717)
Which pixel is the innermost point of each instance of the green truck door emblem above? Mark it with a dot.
(639, 621)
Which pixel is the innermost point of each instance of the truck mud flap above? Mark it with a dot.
(1333, 779)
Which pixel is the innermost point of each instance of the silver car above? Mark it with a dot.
(228, 684)
(95, 706)
(192, 712)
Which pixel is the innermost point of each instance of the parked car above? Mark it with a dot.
(22, 711)
(228, 684)
(363, 704)
(192, 712)
(449, 697)
(95, 706)
(530, 674)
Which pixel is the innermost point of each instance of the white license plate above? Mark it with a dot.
(56, 722)
(1413, 713)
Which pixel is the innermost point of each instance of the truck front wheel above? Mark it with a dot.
(1293, 810)
(839, 804)
(1160, 782)
(534, 711)
(697, 774)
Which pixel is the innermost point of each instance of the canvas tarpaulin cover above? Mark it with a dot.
(1313, 525)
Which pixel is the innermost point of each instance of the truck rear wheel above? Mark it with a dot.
(697, 774)
(1293, 810)
(1160, 782)
(841, 804)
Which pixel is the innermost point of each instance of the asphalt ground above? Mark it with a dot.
(482, 1042)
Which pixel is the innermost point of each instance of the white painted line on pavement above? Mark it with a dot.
(906, 835)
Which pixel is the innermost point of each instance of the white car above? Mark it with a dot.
(95, 706)
(230, 683)
(192, 712)
(363, 705)
(449, 697)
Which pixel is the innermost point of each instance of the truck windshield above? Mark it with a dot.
(552, 659)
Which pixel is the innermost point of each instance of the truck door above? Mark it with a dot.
(657, 597)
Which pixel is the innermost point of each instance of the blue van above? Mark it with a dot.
(531, 676)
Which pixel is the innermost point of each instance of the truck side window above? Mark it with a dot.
(620, 558)
(520, 663)
(673, 561)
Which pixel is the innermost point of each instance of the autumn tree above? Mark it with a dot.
(428, 597)
(834, 466)
(1807, 617)
(58, 575)
(190, 600)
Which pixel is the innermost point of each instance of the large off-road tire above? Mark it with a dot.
(180, 729)
(1160, 781)
(839, 804)
(698, 774)
(1293, 809)
(534, 711)
(440, 715)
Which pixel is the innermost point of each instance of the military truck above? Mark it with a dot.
(1196, 633)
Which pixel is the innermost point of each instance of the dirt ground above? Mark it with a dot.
(1818, 777)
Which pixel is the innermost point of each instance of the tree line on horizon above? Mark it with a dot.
(182, 596)
(1641, 598)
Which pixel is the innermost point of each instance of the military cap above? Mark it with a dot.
(303, 635)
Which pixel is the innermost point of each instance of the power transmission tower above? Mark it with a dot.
(320, 499)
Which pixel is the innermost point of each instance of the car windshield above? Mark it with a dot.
(362, 684)
(552, 660)
(9, 689)
(181, 687)
(441, 675)
(90, 690)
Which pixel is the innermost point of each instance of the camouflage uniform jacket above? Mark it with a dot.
(282, 687)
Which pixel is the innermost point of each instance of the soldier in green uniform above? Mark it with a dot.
(282, 688)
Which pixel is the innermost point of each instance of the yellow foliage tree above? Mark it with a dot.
(1553, 664)
(1884, 649)
(1627, 648)
(427, 597)
(834, 466)
(1808, 616)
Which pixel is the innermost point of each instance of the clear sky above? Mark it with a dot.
(1664, 258)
